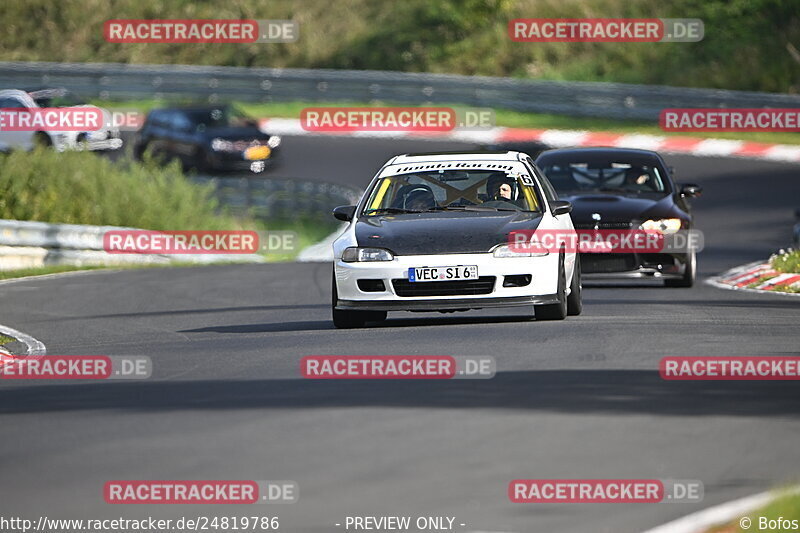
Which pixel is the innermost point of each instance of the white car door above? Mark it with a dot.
(15, 139)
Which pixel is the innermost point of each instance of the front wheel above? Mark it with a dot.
(558, 310)
(575, 298)
(689, 273)
(344, 319)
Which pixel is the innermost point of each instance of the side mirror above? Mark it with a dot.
(561, 207)
(344, 212)
(690, 189)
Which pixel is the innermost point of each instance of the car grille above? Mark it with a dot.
(597, 263)
(604, 225)
(482, 285)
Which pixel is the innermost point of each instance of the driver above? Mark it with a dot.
(504, 192)
(638, 178)
(500, 187)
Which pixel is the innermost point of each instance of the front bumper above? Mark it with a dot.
(220, 160)
(541, 289)
(633, 266)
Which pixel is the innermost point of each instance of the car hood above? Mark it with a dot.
(444, 232)
(617, 208)
(236, 133)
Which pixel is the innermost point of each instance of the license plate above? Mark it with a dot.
(451, 273)
(255, 153)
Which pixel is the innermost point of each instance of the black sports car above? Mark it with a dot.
(625, 189)
(207, 138)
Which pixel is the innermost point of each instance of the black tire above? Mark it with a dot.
(575, 298)
(42, 140)
(139, 150)
(689, 274)
(345, 319)
(556, 311)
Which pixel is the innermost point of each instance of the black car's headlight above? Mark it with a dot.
(664, 225)
(274, 141)
(358, 255)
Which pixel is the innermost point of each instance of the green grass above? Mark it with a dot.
(81, 188)
(444, 36)
(40, 271)
(787, 262)
(5, 339)
(504, 117)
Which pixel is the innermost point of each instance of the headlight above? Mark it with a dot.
(504, 250)
(221, 145)
(664, 225)
(274, 141)
(357, 255)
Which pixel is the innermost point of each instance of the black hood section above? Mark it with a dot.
(615, 208)
(235, 133)
(445, 232)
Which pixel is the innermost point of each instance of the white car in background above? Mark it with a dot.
(431, 233)
(105, 139)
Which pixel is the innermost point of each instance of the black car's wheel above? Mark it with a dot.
(689, 273)
(139, 150)
(575, 298)
(558, 310)
(345, 319)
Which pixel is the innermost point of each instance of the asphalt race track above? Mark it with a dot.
(580, 398)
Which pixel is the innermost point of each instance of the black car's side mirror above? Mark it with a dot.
(560, 207)
(690, 189)
(344, 212)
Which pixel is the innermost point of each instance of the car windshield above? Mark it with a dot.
(220, 117)
(55, 98)
(609, 176)
(469, 190)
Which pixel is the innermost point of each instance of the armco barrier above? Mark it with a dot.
(211, 84)
(26, 244)
(279, 198)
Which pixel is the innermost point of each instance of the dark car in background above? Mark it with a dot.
(206, 138)
(624, 189)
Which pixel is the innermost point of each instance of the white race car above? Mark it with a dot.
(103, 139)
(431, 233)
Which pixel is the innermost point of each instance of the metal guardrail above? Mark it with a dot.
(27, 244)
(616, 100)
(279, 198)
